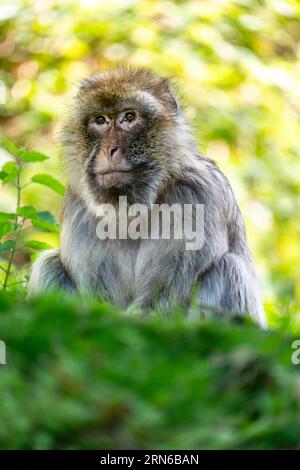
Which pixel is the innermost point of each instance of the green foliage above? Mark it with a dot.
(9, 172)
(50, 182)
(37, 245)
(44, 225)
(15, 225)
(7, 246)
(82, 375)
(10, 146)
(32, 156)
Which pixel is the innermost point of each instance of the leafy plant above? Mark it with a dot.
(80, 374)
(13, 225)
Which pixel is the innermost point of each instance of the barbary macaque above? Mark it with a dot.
(126, 136)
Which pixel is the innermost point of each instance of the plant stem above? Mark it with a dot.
(15, 283)
(17, 230)
(27, 184)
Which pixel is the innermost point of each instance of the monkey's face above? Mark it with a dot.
(121, 133)
(120, 157)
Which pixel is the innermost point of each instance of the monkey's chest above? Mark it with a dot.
(108, 270)
(120, 272)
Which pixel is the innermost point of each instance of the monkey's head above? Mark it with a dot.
(122, 136)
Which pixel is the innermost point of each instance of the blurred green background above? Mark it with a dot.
(237, 66)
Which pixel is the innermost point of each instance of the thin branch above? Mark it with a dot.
(18, 228)
(15, 283)
(27, 228)
(25, 185)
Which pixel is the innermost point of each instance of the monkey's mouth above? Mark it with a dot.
(113, 175)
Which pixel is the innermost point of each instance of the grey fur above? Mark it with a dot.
(49, 273)
(154, 273)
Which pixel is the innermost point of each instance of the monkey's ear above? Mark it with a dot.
(170, 96)
(85, 83)
(175, 103)
(93, 80)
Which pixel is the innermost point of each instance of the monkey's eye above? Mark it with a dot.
(100, 120)
(130, 116)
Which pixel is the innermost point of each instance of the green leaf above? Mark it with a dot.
(42, 220)
(10, 167)
(3, 175)
(5, 228)
(50, 182)
(47, 217)
(32, 156)
(37, 245)
(28, 212)
(5, 216)
(7, 246)
(10, 171)
(9, 146)
(45, 226)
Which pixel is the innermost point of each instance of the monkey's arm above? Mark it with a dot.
(230, 286)
(222, 269)
(48, 273)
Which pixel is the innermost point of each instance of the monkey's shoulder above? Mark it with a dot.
(203, 182)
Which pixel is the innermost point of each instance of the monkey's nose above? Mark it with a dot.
(116, 156)
(113, 151)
